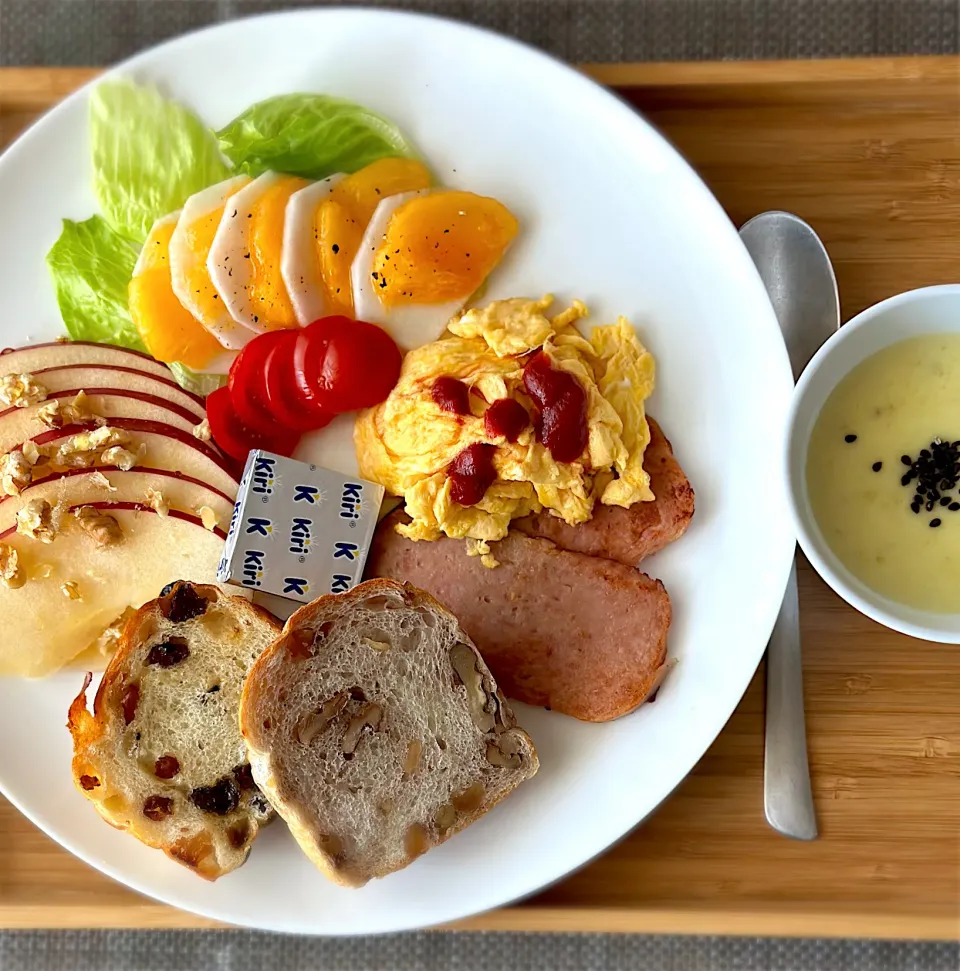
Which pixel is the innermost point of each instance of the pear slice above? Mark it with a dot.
(74, 589)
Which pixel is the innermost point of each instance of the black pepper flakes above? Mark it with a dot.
(877, 466)
(850, 439)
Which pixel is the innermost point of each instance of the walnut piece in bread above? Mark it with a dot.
(161, 755)
(377, 731)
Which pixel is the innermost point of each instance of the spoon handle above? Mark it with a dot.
(787, 797)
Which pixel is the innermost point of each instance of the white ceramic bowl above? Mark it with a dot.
(925, 311)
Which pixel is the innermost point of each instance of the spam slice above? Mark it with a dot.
(629, 535)
(580, 635)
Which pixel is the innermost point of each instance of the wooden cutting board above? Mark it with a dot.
(869, 153)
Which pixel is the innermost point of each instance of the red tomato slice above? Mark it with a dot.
(344, 365)
(246, 383)
(280, 387)
(235, 438)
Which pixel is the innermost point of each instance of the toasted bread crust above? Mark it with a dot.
(100, 765)
(258, 706)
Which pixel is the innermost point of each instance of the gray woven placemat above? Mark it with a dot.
(69, 32)
(240, 951)
(57, 32)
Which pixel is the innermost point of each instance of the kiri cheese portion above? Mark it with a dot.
(299, 531)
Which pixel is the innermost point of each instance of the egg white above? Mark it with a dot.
(183, 261)
(412, 325)
(299, 265)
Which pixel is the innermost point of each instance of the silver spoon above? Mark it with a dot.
(796, 270)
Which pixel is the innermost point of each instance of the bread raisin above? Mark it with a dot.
(221, 798)
(168, 653)
(166, 767)
(244, 777)
(239, 834)
(88, 782)
(129, 700)
(182, 603)
(157, 808)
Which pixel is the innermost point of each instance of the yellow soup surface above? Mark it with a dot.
(888, 409)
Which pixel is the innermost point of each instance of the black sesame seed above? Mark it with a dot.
(849, 439)
(945, 501)
(906, 460)
(877, 466)
(934, 523)
(925, 453)
(929, 505)
(905, 479)
(915, 506)
(954, 506)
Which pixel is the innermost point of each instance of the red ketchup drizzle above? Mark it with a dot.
(472, 473)
(451, 395)
(562, 403)
(505, 417)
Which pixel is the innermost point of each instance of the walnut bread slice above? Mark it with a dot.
(161, 756)
(377, 731)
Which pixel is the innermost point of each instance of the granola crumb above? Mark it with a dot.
(71, 590)
(123, 458)
(208, 517)
(21, 390)
(100, 526)
(30, 452)
(11, 575)
(154, 499)
(35, 520)
(99, 479)
(202, 431)
(16, 473)
(49, 414)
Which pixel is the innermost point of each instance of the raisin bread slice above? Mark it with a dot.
(161, 755)
(377, 731)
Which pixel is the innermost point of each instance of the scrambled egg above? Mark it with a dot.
(407, 442)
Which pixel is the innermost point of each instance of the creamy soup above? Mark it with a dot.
(882, 472)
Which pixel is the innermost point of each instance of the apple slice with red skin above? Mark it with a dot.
(34, 357)
(44, 628)
(127, 379)
(168, 448)
(84, 486)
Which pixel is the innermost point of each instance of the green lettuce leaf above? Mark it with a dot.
(310, 135)
(91, 266)
(149, 155)
(201, 384)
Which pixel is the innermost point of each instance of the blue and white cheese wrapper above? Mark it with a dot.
(297, 530)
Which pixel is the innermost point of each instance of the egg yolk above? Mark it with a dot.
(338, 237)
(342, 217)
(268, 295)
(363, 191)
(441, 247)
(169, 331)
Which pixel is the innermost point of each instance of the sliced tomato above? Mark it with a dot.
(344, 365)
(246, 382)
(235, 438)
(280, 387)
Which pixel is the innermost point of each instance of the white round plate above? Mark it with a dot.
(610, 213)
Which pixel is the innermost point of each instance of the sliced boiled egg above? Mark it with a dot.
(423, 256)
(245, 258)
(169, 330)
(300, 261)
(324, 227)
(189, 248)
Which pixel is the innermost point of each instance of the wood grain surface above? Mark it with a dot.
(869, 153)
